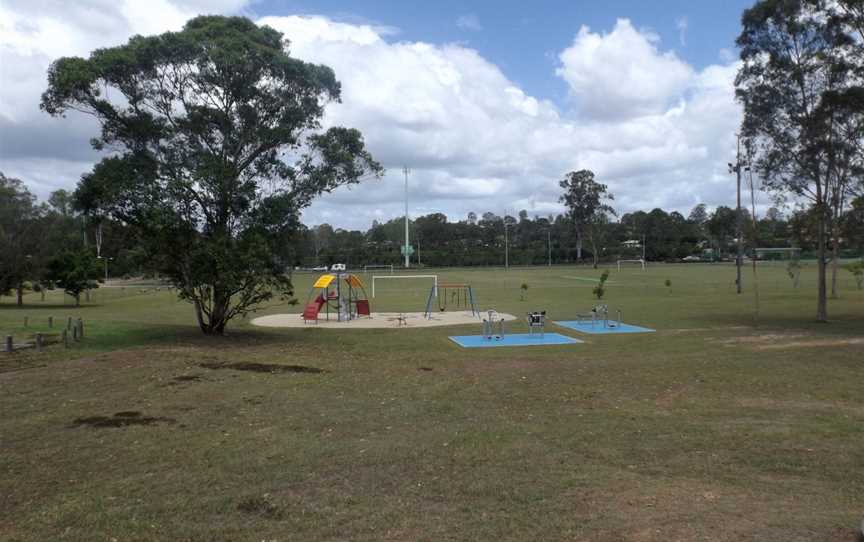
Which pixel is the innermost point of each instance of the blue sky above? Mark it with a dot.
(489, 103)
(523, 38)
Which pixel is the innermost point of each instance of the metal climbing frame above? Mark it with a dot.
(537, 323)
(489, 324)
(600, 313)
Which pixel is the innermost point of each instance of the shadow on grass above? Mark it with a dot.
(121, 419)
(272, 368)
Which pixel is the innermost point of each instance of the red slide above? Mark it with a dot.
(312, 309)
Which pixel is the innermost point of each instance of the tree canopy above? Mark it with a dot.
(215, 142)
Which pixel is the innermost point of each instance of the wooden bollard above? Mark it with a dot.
(69, 323)
(39, 342)
(80, 328)
(50, 321)
(8, 344)
(66, 338)
(75, 333)
(25, 321)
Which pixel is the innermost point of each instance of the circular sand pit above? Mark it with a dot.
(378, 320)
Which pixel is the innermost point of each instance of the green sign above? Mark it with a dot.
(410, 250)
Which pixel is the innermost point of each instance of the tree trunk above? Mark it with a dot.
(78, 299)
(835, 257)
(20, 294)
(822, 302)
(215, 323)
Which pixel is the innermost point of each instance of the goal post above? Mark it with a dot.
(395, 277)
(641, 262)
(366, 268)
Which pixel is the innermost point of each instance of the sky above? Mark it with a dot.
(488, 103)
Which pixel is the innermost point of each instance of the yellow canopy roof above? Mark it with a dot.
(354, 281)
(324, 281)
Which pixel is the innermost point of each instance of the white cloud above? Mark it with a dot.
(469, 22)
(622, 73)
(652, 127)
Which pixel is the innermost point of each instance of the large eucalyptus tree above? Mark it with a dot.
(214, 144)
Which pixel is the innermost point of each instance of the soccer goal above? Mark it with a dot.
(639, 262)
(376, 278)
(366, 268)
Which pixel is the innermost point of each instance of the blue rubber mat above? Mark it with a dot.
(598, 328)
(523, 339)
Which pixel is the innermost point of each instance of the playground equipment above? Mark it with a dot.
(459, 296)
(383, 277)
(347, 300)
(489, 326)
(600, 314)
(537, 323)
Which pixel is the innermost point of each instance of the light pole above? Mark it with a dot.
(106, 259)
(406, 171)
(549, 245)
(506, 244)
(736, 168)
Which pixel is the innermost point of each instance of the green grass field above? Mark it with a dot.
(719, 426)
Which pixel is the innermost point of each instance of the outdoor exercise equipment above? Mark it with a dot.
(459, 296)
(537, 323)
(343, 293)
(490, 323)
(600, 314)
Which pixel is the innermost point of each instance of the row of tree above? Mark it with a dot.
(480, 240)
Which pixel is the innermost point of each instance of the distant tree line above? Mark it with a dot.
(478, 240)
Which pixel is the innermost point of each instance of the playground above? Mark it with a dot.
(717, 425)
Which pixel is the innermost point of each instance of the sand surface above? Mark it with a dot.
(379, 320)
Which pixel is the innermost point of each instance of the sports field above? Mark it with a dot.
(718, 426)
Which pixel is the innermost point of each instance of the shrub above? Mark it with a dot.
(600, 289)
(857, 270)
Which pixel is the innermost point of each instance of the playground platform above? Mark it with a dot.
(517, 339)
(378, 320)
(599, 329)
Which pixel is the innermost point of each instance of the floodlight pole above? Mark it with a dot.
(406, 171)
(506, 244)
(549, 245)
(738, 257)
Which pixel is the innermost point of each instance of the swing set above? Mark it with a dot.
(458, 296)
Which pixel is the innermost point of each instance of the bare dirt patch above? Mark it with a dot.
(780, 341)
(121, 419)
(260, 506)
(273, 368)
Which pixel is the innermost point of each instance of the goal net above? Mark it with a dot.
(427, 281)
(631, 263)
(367, 268)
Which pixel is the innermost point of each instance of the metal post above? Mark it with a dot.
(549, 245)
(66, 338)
(405, 170)
(506, 244)
(50, 321)
(25, 321)
(738, 256)
(80, 328)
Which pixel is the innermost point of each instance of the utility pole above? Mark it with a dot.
(739, 234)
(506, 244)
(549, 245)
(406, 171)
